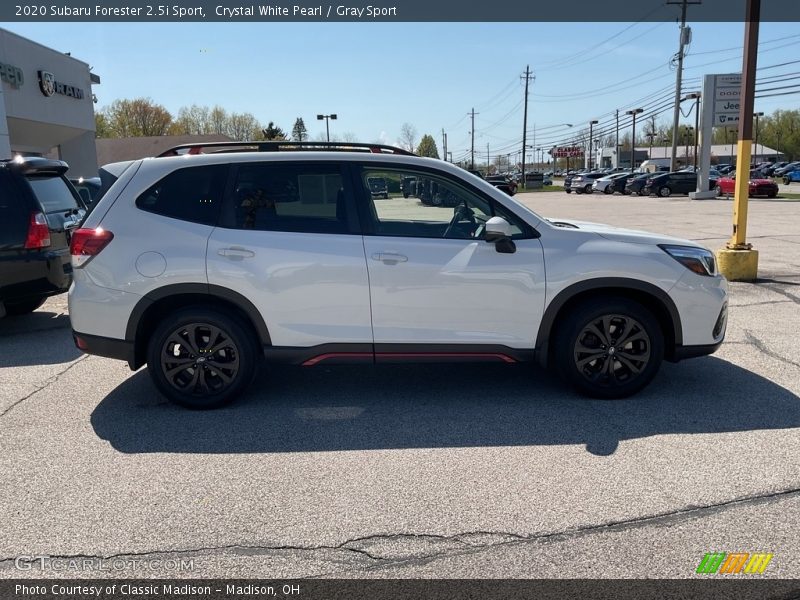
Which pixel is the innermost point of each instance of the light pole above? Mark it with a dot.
(327, 128)
(633, 113)
(696, 97)
(592, 123)
(756, 115)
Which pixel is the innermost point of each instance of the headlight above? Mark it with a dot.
(698, 260)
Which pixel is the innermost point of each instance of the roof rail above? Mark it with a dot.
(281, 146)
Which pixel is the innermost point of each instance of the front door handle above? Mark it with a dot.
(236, 253)
(389, 257)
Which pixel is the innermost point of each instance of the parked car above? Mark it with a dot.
(38, 211)
(378, 187)
(88, 188)
(677, 182)
(503, 185)
(501, 181)
(582, 184)
(605, 184)
(757, 185)
(408, 186)
(793, 166)
(769, 170)
(201, 266)
(791, 177)
(635, 185)
(619, 183)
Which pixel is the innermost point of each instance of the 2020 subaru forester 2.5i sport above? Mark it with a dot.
(202, 265)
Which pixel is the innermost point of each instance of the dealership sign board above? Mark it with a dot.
(566, 151)
(727, 99)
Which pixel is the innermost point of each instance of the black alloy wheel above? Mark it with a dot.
(610, 350)
(201, 358)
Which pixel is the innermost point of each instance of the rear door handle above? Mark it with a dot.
(236, 252)
(389, 257)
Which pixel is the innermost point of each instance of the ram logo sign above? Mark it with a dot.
(734, 563)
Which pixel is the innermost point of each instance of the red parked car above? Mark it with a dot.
(759, 186)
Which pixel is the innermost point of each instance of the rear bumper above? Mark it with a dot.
(33, 274)
(102, 346)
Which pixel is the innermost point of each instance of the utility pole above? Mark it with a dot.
(487, 158)
(616, 143)
(738, 261)
(472, 151)
(444, 144)
(528, 76)
(685, 38)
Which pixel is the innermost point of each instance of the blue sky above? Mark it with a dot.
(377, 76)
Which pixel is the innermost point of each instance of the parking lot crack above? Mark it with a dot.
(50, 381)
(761, 346)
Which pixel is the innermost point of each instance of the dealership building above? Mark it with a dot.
(46, 104)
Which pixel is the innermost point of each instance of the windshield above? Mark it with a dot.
(53, 193)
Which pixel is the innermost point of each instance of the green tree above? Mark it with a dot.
(136, 118)
(299, 131)
(272, 132)
(427, 147)
(102, 128)
(781, 131)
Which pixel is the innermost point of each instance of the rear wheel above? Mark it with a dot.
(718, 191)
(23, 307)
(609, 189)
(588, 189)
(569, 191)
(664, 191)
(201, 357)
(610, 348)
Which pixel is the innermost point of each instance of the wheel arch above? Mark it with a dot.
(158, 303)
(648, 295)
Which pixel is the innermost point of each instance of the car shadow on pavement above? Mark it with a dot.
(296, 409)
(53, 344)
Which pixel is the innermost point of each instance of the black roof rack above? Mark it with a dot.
(282, 146)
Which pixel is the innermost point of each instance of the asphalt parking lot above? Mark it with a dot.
(429, 471)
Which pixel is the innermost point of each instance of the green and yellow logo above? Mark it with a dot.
(734, 563)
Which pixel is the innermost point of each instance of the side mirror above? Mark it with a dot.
(498, 232)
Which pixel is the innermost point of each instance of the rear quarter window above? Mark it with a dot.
(14, 212)
(191, 194)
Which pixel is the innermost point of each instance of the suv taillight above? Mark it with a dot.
(88, 243)
(38, 232)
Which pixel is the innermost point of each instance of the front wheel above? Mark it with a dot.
(609, 349)
(609, 189)
(569, 191)
(718, 191)
(201, 357)
(786, 181)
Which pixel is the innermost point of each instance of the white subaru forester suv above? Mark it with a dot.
(203, 264)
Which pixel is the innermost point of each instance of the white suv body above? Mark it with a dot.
(289, 252)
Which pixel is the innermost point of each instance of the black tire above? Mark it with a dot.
(405, 194)
(718, 191)
(386, 196)
(583, 358)
(771, 195)
(23, 307)
(664, 191)
(786, 181)
(609, 189)
(184, 339)
(569, 191)
(588, 189)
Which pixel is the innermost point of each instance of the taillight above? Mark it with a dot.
(38, 232)
(88, 243)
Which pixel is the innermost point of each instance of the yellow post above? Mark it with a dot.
(738, 261)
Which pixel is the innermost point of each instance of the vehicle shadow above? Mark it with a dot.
(53, 345)
(296, 409)
(40, 320)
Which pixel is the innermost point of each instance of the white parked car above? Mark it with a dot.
(203, 265)
(606, 184)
